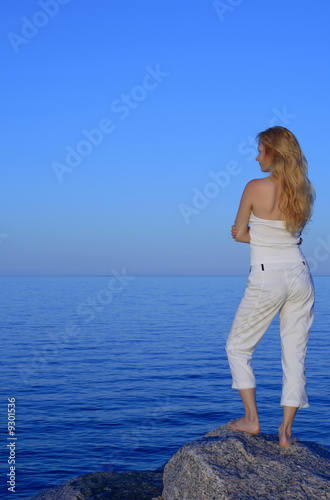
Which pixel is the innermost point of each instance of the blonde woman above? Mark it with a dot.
(272, 214)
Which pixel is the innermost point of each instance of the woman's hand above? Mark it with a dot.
(233, 231)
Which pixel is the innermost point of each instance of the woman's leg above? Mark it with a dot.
(262, 299)
(296, 317)
(250, 422)
(284, 431)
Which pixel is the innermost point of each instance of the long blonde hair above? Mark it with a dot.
(289, 168)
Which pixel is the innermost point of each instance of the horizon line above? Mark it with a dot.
(134, 275)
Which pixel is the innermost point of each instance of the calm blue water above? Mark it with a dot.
(145, 373)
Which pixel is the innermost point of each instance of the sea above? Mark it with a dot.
(116, 373)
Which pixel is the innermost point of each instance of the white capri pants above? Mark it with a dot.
(271, 288)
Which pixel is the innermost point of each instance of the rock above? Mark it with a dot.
(223, 465)
(233, 465)
(144, 485)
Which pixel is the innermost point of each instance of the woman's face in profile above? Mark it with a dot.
(263, 159)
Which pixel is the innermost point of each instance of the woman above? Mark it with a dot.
(272, 213)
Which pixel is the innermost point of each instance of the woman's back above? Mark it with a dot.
(270, 241)
(265, 199)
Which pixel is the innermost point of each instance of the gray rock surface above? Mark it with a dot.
(232, 465)
(223, 465)
(143, 485)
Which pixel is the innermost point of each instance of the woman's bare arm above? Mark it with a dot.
(241, 230)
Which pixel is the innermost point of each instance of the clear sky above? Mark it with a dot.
(128, 129)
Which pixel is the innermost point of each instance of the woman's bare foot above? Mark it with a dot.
(285, 438)
(244, 424)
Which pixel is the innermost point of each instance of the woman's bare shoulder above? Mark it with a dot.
(256, 184)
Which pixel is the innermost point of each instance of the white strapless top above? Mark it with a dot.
(271, 242)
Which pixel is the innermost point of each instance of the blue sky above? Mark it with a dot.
(118, 116)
